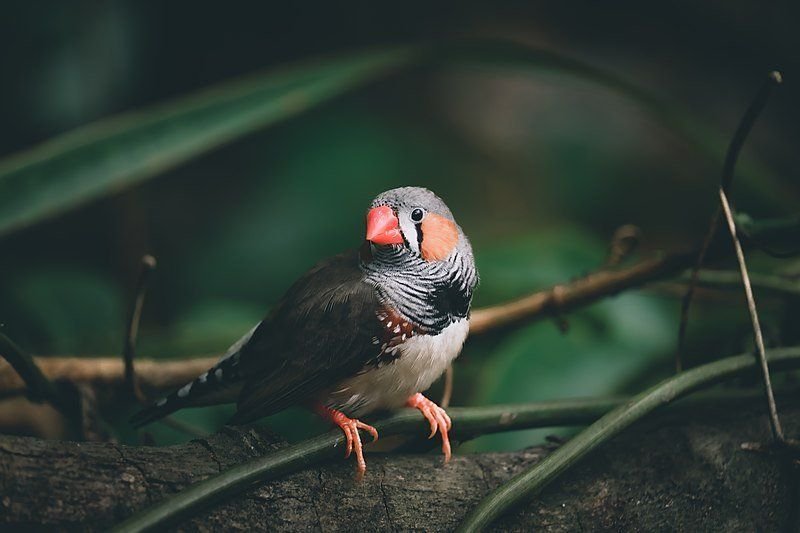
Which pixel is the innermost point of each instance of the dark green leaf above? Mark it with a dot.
(115, 153)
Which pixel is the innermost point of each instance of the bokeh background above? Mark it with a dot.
(538, 160)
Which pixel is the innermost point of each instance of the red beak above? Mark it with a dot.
(383, 227)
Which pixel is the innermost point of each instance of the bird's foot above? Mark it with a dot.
(350, 427)
(437, 418)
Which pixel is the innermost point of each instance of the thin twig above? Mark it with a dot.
(732, 155)
(775, 423)
(467, 422)
(38, 387)
(734, 149)
(767, 285)
(687, 298)
(774, 78)
(129, 350)
(730, 279)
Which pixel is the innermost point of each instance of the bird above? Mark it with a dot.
(365, 331)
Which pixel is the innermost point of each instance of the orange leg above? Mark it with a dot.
(350, 427)
(437, 418)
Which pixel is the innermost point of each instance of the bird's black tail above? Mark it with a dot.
(221, 384)
(157, 411)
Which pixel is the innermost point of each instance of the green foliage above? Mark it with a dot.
(116, 153)
(70, 311)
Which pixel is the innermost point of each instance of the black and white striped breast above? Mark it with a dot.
(429, 295)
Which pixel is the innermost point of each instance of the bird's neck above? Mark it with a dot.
(432, 294)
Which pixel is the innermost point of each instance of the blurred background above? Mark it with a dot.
(539, 160)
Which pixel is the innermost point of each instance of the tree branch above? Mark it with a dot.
(92, 486)
(109, 372)
(578, 293)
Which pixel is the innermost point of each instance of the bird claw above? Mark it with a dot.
(438, 419)
(350, 427)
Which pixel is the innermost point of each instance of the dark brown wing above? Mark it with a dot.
(320, 332)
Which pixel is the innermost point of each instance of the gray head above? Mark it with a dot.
(416, 219)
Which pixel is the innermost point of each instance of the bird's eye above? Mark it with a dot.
(417, 214)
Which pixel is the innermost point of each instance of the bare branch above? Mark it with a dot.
(774, 78)
(775, 423)
(730, 279)
(734, 148)
(683, 325)
(33, 381)
(109, 372)
(580, 292)
(129, 350)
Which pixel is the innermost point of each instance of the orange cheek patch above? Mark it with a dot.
(439, 237)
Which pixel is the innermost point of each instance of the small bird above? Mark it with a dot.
(364, 331)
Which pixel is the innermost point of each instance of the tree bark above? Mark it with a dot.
(671, 473)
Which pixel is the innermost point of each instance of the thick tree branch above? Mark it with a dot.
(693, 474)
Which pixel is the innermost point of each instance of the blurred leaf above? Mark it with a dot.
(72, 312)
(115, 153)
(755, 179)
(207, 328)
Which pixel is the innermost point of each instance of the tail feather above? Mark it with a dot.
(221, 384)
(156, 411)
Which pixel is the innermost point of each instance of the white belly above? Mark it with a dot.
(422, 360)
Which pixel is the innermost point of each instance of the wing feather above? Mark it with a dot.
(319, 333)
